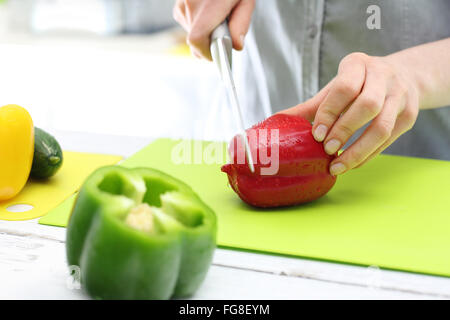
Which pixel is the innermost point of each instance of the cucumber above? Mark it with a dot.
(48, 156)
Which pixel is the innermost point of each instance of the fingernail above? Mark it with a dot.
(337, 168)
(242, 38)
(332, 146)
(320, 132)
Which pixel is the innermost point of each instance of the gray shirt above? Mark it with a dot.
(294, 47)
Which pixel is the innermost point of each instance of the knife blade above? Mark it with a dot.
(221, 52)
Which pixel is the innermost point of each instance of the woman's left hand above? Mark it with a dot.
(366, 89)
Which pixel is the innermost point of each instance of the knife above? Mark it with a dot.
(221, 52)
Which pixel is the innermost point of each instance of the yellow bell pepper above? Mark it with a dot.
(16, 149)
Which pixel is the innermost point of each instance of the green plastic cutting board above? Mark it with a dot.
(393, 213)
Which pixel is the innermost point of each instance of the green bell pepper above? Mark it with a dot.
(139, 234)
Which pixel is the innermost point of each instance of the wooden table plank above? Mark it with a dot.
(35, 268)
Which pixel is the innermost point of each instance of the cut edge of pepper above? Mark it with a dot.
(173, 209)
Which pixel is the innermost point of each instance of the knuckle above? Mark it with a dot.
(383, 129)
(401, 87)
(409, 126)
(195, 37)
(356, 156)
(329, 114)
(346, 87)
(343, 130)
(409, 116)
(356, 56)
(370, 104)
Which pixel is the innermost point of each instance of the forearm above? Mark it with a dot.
(428, 67)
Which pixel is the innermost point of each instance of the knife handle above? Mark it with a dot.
(221, 32)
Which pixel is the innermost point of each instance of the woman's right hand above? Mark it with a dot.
(200, 17)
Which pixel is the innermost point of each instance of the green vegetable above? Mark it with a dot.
(139, 234)
(48, 156)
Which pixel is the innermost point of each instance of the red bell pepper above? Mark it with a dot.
(302, 163)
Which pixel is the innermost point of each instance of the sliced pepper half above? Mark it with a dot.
(140, 234)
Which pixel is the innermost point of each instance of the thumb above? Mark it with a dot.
(239, 22)
(304, 110)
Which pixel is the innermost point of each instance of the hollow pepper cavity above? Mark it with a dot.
(302, 165)
(139, 234)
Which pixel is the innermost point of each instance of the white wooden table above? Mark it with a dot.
(33, 264)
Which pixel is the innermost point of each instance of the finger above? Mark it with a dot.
(179, 14)
(404, 123)
(305, 110)
(376, 134)
(208, 17)
(347, 86)
(239, 22)
(361, 111)
(195, 53)
(308, 108)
